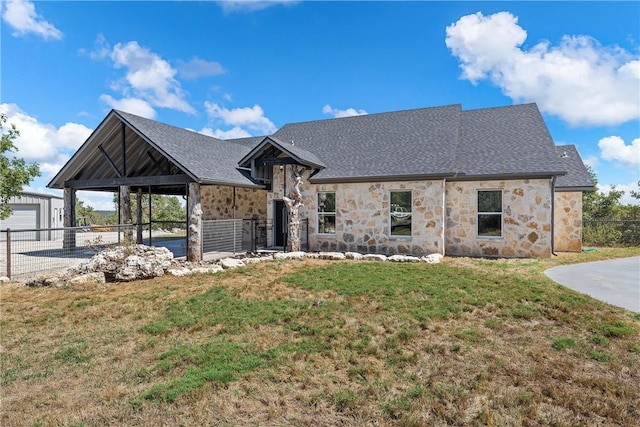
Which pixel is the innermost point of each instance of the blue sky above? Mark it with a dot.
(231, 69)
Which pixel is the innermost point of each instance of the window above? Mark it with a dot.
(490, 213)
(400, 213)
(327, 213)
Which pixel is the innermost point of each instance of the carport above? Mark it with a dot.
(129, 155)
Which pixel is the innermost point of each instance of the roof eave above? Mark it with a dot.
(381, 178)
(506, 176)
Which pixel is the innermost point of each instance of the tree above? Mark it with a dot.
(15, 173)
(86, 215)
(163, 208)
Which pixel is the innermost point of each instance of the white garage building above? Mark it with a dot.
(32, 211)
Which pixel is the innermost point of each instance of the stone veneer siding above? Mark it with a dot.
(217, 202)
(568, 221)
(526, 219)
(362, 216)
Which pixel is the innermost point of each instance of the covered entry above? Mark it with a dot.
(132, 156)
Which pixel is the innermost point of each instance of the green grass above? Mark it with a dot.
(465, 342)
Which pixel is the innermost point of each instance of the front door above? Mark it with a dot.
(280, 223)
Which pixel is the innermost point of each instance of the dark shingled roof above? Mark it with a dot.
(505, 140)
(209, 159)
(298, 154)
(490, 143)
(577, 177)
(398, 144)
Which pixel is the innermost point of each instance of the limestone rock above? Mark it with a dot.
(354, 256)
(228, 263)
(374, 257)
(403, 258)
(4, 279)
(93, 278)
(332, 255)
(432, 259)
(289, 255)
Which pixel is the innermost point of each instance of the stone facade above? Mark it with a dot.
(362, 216)
(526, 219)
(568, 221)
(217, 202)
(363, 219)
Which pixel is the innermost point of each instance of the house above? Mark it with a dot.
(33, 211)
(485, 182)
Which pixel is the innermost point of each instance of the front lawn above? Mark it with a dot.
(465, 342)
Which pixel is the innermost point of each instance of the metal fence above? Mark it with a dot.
(608, 232)
(26, 253)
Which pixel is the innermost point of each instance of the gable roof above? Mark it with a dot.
(298, 154)
(577, 177)
(202, 158)
(435, 142)
(209, 160)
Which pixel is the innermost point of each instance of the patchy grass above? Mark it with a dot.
(465, 342)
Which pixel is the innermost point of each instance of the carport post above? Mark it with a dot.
(69, 240)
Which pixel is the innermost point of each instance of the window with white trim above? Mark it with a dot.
(400, 213)
(489, 213)
(327, 213)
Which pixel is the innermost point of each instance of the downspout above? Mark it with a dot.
(444, 214)
(553, 225)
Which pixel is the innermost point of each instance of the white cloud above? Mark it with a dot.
(196, 68)
(22, 17)
(235, 132)
(229, 6)
(149, 80)
(247, 118)
(614, 148)
(578, 80)
(135, 106)
(150, 77)
(42, 142)
(349, 112)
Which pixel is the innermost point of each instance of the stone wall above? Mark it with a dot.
(362, 216)
(526, 222)
(217, 202)
(568, 221)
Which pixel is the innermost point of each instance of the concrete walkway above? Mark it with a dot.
(616, 281)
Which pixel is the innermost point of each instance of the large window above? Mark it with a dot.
(400, 213)
(327, 213)
(490, 213)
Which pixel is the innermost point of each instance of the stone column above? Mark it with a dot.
(293, 201)
(194, 230)
(69, 219)
(125, 211)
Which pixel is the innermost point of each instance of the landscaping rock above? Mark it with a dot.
(374, 257)
(432, 259)
(354, 256)
(93, 278)
(403, 258)
(336, 256)
(228, 263)
(4, 279)
(289, 255)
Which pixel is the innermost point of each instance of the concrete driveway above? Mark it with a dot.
(616, 281)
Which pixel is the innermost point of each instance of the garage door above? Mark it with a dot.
(23, 217)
